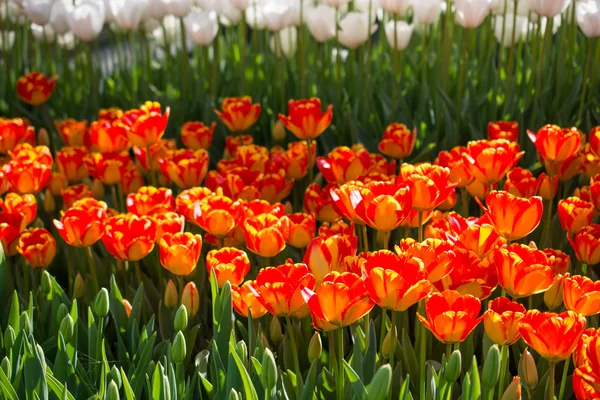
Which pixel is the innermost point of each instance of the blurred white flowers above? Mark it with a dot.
(59, 16)
(427, 12)
(354, 29)
(275, 15)
(178, 8)
(129, 13)
(157, 9)
(87, 19)
(44, 34)
(520, 29)
(548, 8)
(588, 17)
(398, 34)
(202, 27)
(396, 6)
(471, 13)
(321, 22)
(284, 42)
(38, 11)
(7, 39)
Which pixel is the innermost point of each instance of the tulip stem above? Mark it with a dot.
(550, 387)
(340, 357)
(150, 171)
(113, 192)
(290, 327)
(365, 237)
(503, 367)
(511, 58)
(382, 332)
(51, 126)
(338, 54)
(93, 81)
(548, 239)
(184, 61)
(420, 223)
(167, 50)
(242, 32)
(301, 58)
(310, 160)
(70, 270)
(563, 381)
(588, 60)
(422, 349)
(538, 84)
(393, 343)
(93, 271)
(461, 77)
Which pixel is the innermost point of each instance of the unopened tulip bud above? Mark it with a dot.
(46, 283)
(62, 311)
(112, 393)
(24, 323)
(98, 189)
(6, 367)
(190, 298)
(115, 375)
(553, 297)
(279, 131)
(263, 340)
(453, 367)
(268, 374)
(49, 202)
(315, 347)
(178, 349)
(288, 208)
(67, 328)
(37, 223)
(233, 395)
(513, 391)
(79, 287)
(171, 295)
(102, 301)
(43, 138)
(181, 319)
(275, 331)
(9, 337)
(386, 347)
(127, 306)
(241, 348)
(491, 368)
(528, 370)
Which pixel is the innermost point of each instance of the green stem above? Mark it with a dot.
(338, 55)
(310, 160)
(382, 332)
(167, 51)
(461, 77)
(422, 353)
(540, 74)
(563, 381)
(365, 237)
(150, 169)
(550, 387)
(420, 222)
(290, 327)
(503, 367)
(395, 88)
(184, 60)
(93, 270)
(340, 357)
(586, 71)
(301, 57)
(242, 33)
(511, 58)
(51, 126)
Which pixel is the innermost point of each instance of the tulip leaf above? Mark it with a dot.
(129, 394)
(357, 386)
(381, 384)
(370, 357)
(6, 285)
(13, 316)
(143, 357)
(405, 390)
(57, 387)
(475, 390)
(7, 387)
(409, 359)
(309, 385)
(249, 391)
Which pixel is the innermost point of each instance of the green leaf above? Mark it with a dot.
(309, 385)
(249, 391)
(129, 394)
(7, 388)
(144, 356)
(381, 384)
(357, 386)
(57, 387)
(13, 316)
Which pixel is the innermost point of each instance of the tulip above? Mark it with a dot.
(145, 126)
(327, 254)
(38, 247)
(586, 382)
(319, 201)
(548, 9)
(74, 193)
(27, 176)
(13, 132)
(555, 144)
(437, 256)
(469, 275)
(398, 142)
(429, 185)
(229, 264)
(129, 237)
(546, 190)
(552, 336)
(306, 120)
(266, 234)
(70, 162)
(384, 206)
(87, 19)
(343, 164)
(44, 34)
(196, 135)
(158, 9)
(521, 183)
(396, 6)
(575, 213)
(480, 239)
(523, 271)
(451, 317)
(185, 168)
(158, 150)
(218, 215)
(453, 160)
(7, 39)
(74, 133)
(320, 22)
(471, 13)
(586, 243)
(427, 12)
(298, 159)
(238, 113)
(354, 29)
(508, 130)
(581, 295)
(202, 27)
(25, 205)
(108, 136)
(11, 226)
(339, 227)
(302, 229)
(245, 301)
(190, 298)
(513, 217)
(180, 252)
(35, 88)
(38, 11)
(278, 289)
(398, 34)
(339, 301)
(128, 13)
(588, 18)
(489, 161)
(395, 282)
(553, 297)
(502, 319)
(149, 200)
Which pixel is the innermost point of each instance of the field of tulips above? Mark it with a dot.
(357, 228)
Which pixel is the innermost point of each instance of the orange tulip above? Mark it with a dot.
(384, 206)
(398, 141)
(150, 200)
(480, 239)
(437, 256)
(339, 227)
(158, 150)
(451, 317)
(513, 217)
(257, 207)
(73, 133)
(38, 247)
(469, 275)
(327, 254)
(581, 295)
(82, 227)
(590, 162)
(489, 161)
(306, 120)
(25, 152)
(129, 237)
(586, 378)
(108, 136)
(583, 352)
(523, 271)
(233, 142)
(454, 161)
(70, 162)
(186, 201)
(575, 213)
(508, 130)
(319, 201)
(25, 205)
(429, 184)
(343, 198)
(395, 282)
(218, 215)
(560, 262)
(27, 176)
(343, 164)
(244, 300)
(340, 300)
(553, 336)
(568, 169)
(545, 189)
(132, 180)
(57, 183)
(555, 144)
(273, 187)
(279, 289)
(109, 168)
(266, 234)
(76, 192)
(11, 226)
(185, 168)
(586, 243)
(180, 252)
(168, 222)
(297, 157)
(252, 157)
(146, 125)
(238, 113)
(109, 114)
(229, 264)
(190, 298)
(520, 182)
(196, 135)
(35, 88)
(501, 321)
(12, 132)
(302, 229)
(478, 190)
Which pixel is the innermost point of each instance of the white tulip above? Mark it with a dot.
(202, 27)
(172, 31)
(38, 11)
(520, 29)
(522, 7)
(471, 13)
(426, 12)
(7, 39)
(229, 15)
(240, 4)
(178, 8)
(364, 5)
(354, 29)
(548, 8)
(59, 16)
(398, 34)
(337, 3)
(276, 15)
(157, 9)
(588, 18)
(87, 19)
(67, 41)
(321, 22)
(395, 6)
(255, 17)
(44, 34)
(129, 13)
(284, 42)
(16, 15)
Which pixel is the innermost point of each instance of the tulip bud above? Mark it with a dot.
(171, 295)
(275, 332)
(178, 348)
(263, 340)
(101, 304)
(288, 208)
(386, 347)
(24, 323)
(49, 202)
(491, 368)
(112, 393)
(453, 367)
(190, 298)
(115, 375)
(181, 319)
(98, 189)
(241, 348)
(513, 391)
(268, 375)
(67, 328)
(79, 287)
(315, 347)
(5, 365)
(279, 131)
(127, 306)
(553, 297)
(46, 283)
(528, 370)
(37, 223)
(233, 395)
(61, 313)
(43, 138)
(9, 337)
